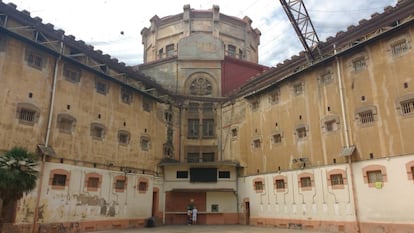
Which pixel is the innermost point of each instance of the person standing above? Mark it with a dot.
(195, 212)
(189, 215)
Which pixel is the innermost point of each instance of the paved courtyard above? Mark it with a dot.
(208, 229)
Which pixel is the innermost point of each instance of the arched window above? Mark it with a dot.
(27, 113)
(259, 185)
(201, 86)
(65, 123)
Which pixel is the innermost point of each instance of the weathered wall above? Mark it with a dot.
(25, 84)
(76, 203)
(165, 73)
(389, 78)
(326, 207)
(297, 205)
(171, 29)
(22, 83)
(75, 151)
(319, 102)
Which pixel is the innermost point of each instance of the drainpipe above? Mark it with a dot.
(342, 98)
(180, 136)
(346, 134)
(237, 193)
(49, 123)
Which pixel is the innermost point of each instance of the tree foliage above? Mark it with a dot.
(18, 173)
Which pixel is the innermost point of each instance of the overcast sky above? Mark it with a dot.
(100, 22)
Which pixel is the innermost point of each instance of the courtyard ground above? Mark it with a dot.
(208, 229)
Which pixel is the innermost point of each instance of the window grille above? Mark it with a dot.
(374, 176)
(337, 179)
(59, 180)
(280, 184)
(366, 117)
(305, 182)
(399, 47)
(407, 107)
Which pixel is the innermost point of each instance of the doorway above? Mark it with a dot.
(155, 200)
(247, 212)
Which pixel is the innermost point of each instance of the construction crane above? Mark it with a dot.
(301, 22)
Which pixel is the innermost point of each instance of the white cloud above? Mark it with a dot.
(99, 22)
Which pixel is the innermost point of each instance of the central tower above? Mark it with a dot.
(201, 56)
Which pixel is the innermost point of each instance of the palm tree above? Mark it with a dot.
(18, 175)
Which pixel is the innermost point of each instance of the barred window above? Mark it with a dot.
(374, 176)
(325, 78)
(193, 157)
(126, 95)
(120, 184)
(274, 96)
(193, 107)
(193, 128)
(123, 137)
(301, 132)
(27, 115)
(208, 157)
(366, 117)
(277, 138)
(280, 184)
(255, 105)
(298, 88)
(231, 50)
(35, 59)
(142, 186)
(97, 131)
(256, 143)
(59, 180)
(145, 143)
(399, 47)
(305, 182)
(182, 175)
(224, 174)
(359, 64)
(337, 179)
(207, 107)
(258, 186)
(407, 107)
(147, 104)
(331, 125)
(93, 182)
(71, 73)
(208, 128)
(101, 87)
(170, 50)
(65, 123)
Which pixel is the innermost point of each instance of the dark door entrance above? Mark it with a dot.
(154, 203)
(247, 212)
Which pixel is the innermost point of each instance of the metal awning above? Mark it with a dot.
(48, 151)
(347, 151)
